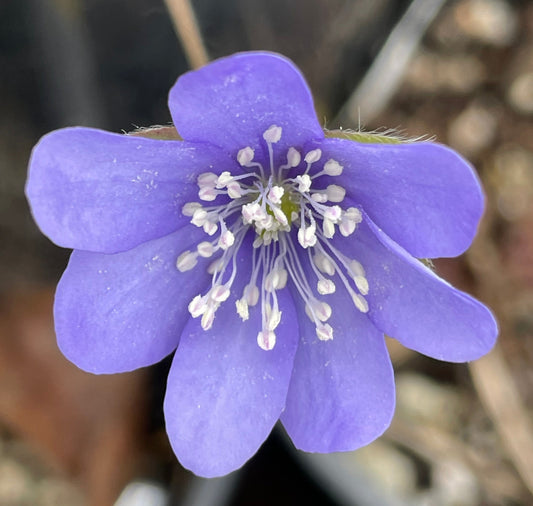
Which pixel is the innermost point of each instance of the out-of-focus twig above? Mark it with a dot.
(502, 401)
(383, 77)
(187, 29)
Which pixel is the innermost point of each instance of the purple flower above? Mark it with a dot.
(272, 258)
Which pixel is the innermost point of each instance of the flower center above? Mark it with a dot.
(273, 201)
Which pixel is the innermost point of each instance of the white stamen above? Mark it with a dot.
(210, 228)
(333, 213)
(245, 156)
(324, 332)
(272, 134)
(335, 193)
(266, 339)
(313, 156)
(186, 261)
(293, 157)
(360, 302)
(304, 183)
(226, 239)
(205, 249)
(197, 306)
(242, 309)
(251, 294)
(333, 168)
(275, 194)
(223, 179)
(320, 197)
(328, 228)
(199, 217)
(234, 190)
(207, 193)
(325, 286)
(219, 293)
(207, 179)
(190, 207)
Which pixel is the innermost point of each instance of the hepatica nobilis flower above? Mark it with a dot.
(270, 256)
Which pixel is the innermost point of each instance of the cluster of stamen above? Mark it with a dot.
(271, 203)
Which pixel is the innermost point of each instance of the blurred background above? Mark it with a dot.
(457, 71)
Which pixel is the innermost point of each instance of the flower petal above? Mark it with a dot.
(423, 195)
(104, 192)
(341, 395)
(232, 101)
(224, 392)
(116, 313)
(409, 302)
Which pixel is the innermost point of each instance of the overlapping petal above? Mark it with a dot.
(97, 191)
(232, 101)
(423, 195)
(116, 313)
(341, 395)
(224, 393)
(410, 303)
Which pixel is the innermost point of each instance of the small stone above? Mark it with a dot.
(489, 21)
(520, 93)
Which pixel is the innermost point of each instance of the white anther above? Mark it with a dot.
(317, 309)
(282, 280)
(245, 156)
(190, 207)
(280, 216)
(258, 242)
(226, 239)
(208, 317)
(324, 332)
(324, 264)
(350, 218)
(207, 193)
(215, 266)
(197, 306)
(362, 284)
(242, 309)
(333, 213)
(333, 168)
(275, 280)
(335, 193)
(354, 214)
(293, 157)
(250, 211)
(224, 179)
(272, 134)
(205, 249)
(186, 261)
(210, 228)
(304, 183)
(234, 190)
(356, 269)
(313, 156)
(207, 179)
(323, 311)
(307, 236)
(325, 287)
(275, 194)
(219, 293)
(320, 197)
(328, 227)
(251, 294)
(199, 217)
(266, 339)
(360, 302)
(273, 318)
